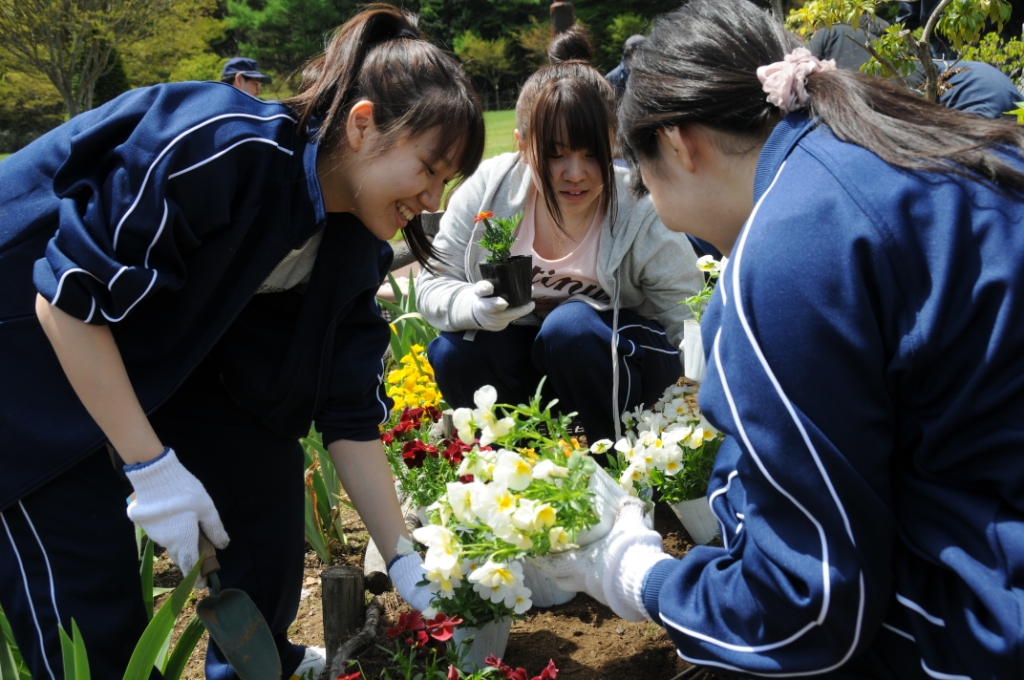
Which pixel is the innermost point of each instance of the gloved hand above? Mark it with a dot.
(170, 505)
(611, 570)
(405, 573)
(473, 310)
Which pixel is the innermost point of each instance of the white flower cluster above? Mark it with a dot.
(660, 434)
(490, 505)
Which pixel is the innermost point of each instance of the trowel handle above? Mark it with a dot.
(206, 549)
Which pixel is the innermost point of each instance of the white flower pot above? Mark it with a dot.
(544, 590)
(697, 519)
(607, 494)
(492, 638)
(694, 365)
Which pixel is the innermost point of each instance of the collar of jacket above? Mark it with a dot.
(786, 135)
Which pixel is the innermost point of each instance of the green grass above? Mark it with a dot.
(500, 125)
(4, 155)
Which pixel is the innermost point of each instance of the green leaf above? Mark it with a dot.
(81, 658)
(183, 649)
(8, 669)
(159, 629)
(67, 649)
(146, 572)
(1019, 112)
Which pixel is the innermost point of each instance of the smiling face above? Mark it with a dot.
(386, 190)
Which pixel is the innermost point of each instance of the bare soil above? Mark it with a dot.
(583, 637)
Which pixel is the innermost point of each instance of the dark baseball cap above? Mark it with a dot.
(247, 67)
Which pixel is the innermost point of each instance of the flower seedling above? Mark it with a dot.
(712, 268)
(499, 235)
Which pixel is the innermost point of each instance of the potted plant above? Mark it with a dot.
(671, 447)
(694, 364)
(523, 491)
(511, 275)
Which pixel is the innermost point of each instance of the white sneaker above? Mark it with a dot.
(313, 662)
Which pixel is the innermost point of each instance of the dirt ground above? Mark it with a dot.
(583, 637)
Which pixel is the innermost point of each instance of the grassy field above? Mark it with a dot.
(500, 125)
(4, 155)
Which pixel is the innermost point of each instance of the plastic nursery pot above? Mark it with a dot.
(512, 280)
(491, 638)
(697, 519)
(544, 590)
(694, 365)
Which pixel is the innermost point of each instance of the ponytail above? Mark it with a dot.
(380, 55)
(699, 65)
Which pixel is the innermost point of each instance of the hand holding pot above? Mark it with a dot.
(405, 573)
(612, 570)
(170, 505)
(487, 313)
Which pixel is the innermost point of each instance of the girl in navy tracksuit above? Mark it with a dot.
(865, 360)
(189, 276)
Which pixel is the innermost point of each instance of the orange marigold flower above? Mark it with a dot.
(485, 215)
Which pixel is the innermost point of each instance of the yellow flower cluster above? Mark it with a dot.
(412, 384)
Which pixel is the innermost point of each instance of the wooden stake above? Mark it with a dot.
(343, 604)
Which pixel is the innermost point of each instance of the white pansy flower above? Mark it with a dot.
(491, 428)
(493, 580)
(707, 263)
(460, 498)
(601, 446)
(462, 420)
(443, 547)
(518, 599)
(547, 468)
(512, 471)
(560, 540)
(508, 534)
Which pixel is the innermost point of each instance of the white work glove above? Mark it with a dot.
(611, 570)
(170, 505)
(472, 309)
(405, 573)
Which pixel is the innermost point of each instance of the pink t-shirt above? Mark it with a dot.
(557, 280)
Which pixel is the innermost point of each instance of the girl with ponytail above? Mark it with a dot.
(189, 279)
(865, 361)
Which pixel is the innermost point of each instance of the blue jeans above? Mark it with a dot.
(573, 349)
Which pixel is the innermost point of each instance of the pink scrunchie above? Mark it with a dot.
(785, 81)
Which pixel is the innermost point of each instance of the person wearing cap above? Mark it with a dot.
(244, 74)
(618, 76)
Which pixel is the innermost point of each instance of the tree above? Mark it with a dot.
(72, 41)
(179, 47)
(487, 59)
(893, 54)
(534, 40)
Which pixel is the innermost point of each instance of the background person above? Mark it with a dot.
(863, 360)
(618, 76)
(605, 323)
(189, 275)
(245, 75)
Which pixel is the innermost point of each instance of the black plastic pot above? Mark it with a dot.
(512, 280)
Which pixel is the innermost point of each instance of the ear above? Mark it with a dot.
(359, 126)
(684, 145)
(520, 144)
(239, 81)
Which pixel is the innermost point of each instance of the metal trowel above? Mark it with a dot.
(236, 625)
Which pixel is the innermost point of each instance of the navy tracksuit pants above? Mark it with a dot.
(68, 549)
(573, 349)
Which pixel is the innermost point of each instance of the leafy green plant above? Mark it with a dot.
(11, 664)
(408, 327)
(324, 499)
(527, 496)
(151, 649)
(960, 22)
(712, 269)
(669, 447)
(499, 235)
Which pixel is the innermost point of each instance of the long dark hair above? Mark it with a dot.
(699, 65)
(569, 103)
(380, 55)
